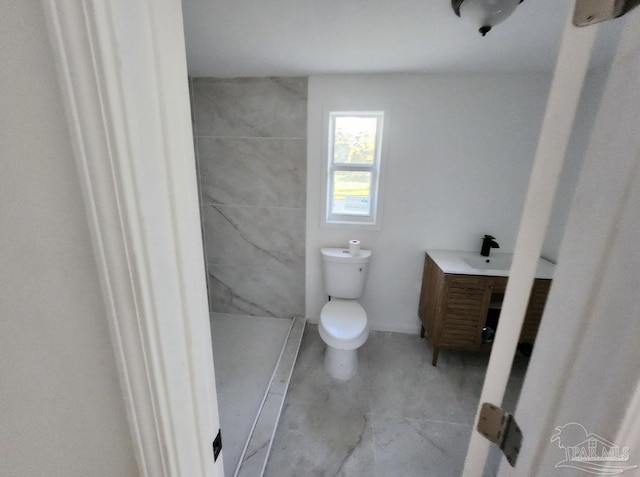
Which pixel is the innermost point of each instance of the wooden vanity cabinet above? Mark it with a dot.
(453, 308)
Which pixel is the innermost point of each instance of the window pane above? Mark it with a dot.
(354, 140)
(351, 193)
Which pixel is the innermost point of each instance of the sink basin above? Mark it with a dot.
(494, 262)
(472, 263)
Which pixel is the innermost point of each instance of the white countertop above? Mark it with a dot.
(472, 263)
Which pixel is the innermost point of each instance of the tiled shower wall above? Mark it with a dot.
(251, 144)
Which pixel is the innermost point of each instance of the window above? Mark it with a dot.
(353, 167)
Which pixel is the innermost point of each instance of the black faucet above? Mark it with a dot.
(488, 242)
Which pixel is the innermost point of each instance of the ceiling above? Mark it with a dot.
(242, 38)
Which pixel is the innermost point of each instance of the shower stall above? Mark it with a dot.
(250, 141)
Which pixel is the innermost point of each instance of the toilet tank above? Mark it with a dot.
(344, 274)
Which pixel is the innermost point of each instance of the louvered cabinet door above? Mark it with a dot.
(453, 308)
(464, 311)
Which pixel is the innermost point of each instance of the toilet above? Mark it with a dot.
(343, 321)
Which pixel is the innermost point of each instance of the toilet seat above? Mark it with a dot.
(343, 324)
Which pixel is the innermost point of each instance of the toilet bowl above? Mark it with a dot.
(343, 327)
(343, 322)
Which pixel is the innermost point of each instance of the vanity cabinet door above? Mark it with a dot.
(431, 298)
(464, 311)
(535, 309)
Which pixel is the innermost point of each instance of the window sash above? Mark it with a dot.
(373, 169)
(372, 194)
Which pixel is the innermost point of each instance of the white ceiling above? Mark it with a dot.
(240, 38)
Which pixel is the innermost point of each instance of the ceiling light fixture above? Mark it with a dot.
(484, 14)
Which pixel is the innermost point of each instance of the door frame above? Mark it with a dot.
(568, 80)
(122, 72)
(587, 371)
(569, 379)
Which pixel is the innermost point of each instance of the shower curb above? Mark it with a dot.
(255, 454)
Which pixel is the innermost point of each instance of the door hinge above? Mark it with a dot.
(217, 446)
(588, 12)
(501, 428)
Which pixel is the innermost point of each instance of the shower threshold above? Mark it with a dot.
(253, 459)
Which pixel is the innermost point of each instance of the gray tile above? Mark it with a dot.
(255, 236)
(493, 461)
(512, 393)
(268, 172)
(420, 416)
(418, 447)
(275, 292)
(311, 442)
(404, 384)
(251, 107)
(312, 385)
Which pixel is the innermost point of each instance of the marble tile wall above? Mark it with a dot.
(251, 147)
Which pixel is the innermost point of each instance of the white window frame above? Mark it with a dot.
(355, 219)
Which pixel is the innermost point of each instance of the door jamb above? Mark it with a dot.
(122, 72)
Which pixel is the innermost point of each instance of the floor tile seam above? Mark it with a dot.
(215, 136)
(264, 398)
(413, 418)
(244, 315)
(332, 408)
(206, 203)
(234, 136)
(369, 388)
(374, 445)
(292, 269)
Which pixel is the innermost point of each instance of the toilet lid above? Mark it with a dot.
(343, 319)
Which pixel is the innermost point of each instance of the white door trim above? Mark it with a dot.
(562, 104)
(122, 71)
(586, 371)
(583, 367)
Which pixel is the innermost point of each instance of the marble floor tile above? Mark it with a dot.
(419, 447)
(418, 417)
(310, 442)
(397, 378)
(405, 384)
(313, 386)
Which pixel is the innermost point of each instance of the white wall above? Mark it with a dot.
(62, 410)
(459, 152)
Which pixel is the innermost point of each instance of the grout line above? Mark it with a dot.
(253, 137)
(374, 444)
(207, 204)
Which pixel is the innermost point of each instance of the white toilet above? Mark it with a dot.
(343, 321)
